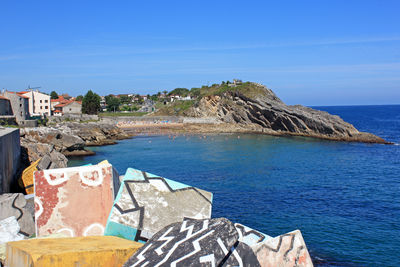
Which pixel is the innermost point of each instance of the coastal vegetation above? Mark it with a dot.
(91, 103)
(176, 108)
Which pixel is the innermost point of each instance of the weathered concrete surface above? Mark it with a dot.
(146, 203)
(75, 201)
(16, 205)
(285, 250)
(10, 152)
(78, 251)
(188, 243)
(9, 231)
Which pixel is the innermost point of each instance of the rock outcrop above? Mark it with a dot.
(95, 134)
(54, 144)
(270, 115)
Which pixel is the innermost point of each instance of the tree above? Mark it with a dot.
(53, 95)
(154, 97)
(179, 91)
(91, 103)
(125, 99)
(79, 98)
(112, 103)
(195, 92)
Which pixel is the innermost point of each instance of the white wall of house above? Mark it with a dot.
(39, 103)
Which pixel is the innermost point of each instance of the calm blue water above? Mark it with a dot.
(344, 197)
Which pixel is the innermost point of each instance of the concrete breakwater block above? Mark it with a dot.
(250, 236)
(9, 231)
(16, 205)
(285, 250)
(75, 201)
(188, 243)
(146, 203)
(77, 251)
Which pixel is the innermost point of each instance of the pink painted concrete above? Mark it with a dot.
(74, 201)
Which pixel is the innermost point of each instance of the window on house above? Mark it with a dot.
(46, 101)
(20, 105)
(46, 107)
(40, 101)
(70, 109)
(41, 107)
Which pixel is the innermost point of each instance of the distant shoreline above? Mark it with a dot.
(178, 128)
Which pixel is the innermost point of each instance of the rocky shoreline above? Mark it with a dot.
(235, 128)
(254, 108)
(53, 144)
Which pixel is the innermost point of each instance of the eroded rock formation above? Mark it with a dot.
(267, 112)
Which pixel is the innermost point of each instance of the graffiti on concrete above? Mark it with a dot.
(146, 203)
(189, 243)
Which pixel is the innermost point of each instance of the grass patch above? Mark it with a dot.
(176, 108)
(248, 89)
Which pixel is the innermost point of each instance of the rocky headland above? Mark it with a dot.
(252, 107)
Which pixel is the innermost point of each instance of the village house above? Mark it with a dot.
(179, 97)
(19, 105)
(68, 107)
(55, 102)
(103, 104)
(5, 107)
(39, 103)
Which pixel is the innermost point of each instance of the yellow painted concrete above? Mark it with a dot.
(75, 251)
(27, 177)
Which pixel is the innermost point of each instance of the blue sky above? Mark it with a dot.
(325, 52)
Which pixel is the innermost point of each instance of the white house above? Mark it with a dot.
(39, 103)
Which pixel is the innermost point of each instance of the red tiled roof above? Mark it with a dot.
(57, 111)
(61, 105)
(66, 102)
(59, 99)
(2, 97)
(23, 92)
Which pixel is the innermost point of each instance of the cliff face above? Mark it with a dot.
(267, 112)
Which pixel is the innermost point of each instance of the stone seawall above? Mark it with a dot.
(147, 119)
(10, 153)
(73, 117)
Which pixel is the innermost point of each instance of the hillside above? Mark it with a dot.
(255, 106)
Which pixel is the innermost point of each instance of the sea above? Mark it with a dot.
(344, 197)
